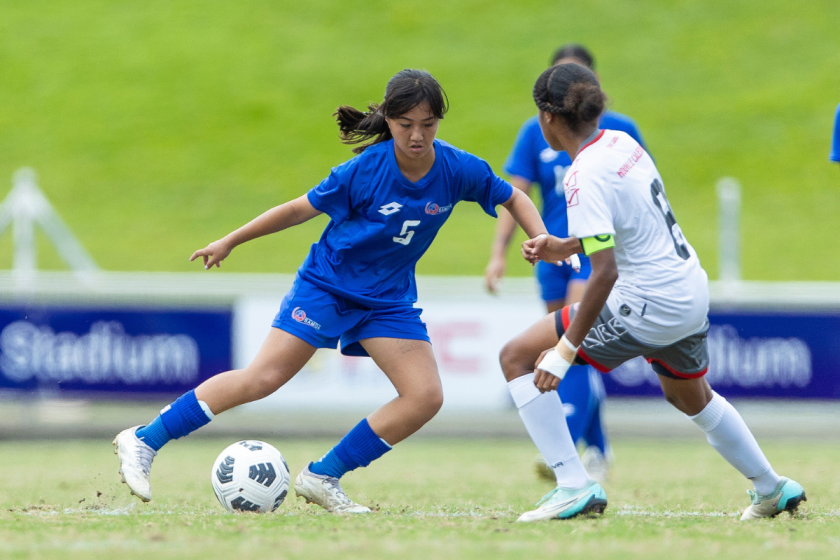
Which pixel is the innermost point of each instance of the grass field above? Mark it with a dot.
(159, 126)
(432, 499)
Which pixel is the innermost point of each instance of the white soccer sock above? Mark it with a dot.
(730, 436)
(542, 414)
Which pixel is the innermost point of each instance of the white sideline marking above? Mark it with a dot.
(637, 512)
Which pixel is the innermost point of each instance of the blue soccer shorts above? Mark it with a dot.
(553, 280)
(323, 320)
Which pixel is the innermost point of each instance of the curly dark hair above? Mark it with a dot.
(571, 91)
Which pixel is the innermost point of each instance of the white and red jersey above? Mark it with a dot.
(613, 188)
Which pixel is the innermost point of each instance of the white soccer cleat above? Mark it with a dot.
(596, 464)
(326, 492)
(135, 462)
(565, 503)
(785, 497)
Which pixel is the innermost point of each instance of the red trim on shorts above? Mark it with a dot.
(564, 314)
(593, 141)
(678, 373)
(591, 362)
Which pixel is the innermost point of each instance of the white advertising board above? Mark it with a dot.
(467, 334)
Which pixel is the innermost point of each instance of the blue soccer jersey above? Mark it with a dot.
(835, 141)
(533, 159)
(382, 223)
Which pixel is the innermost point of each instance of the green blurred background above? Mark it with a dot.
(159, 126)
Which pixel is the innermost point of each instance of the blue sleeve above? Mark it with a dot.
(835, 141)
(332, 195)
(484, 186)
(522, 161)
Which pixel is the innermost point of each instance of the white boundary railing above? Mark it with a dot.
(216, 288)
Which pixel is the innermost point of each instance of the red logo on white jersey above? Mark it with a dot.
(572, 196)
(571, 187)
(612, 142)
(631, 161)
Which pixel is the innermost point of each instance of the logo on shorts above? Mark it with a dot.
(299, 315)
(624, 310)
(604, 333)
(433, 209)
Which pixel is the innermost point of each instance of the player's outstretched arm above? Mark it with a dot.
(281, 217)
(598, 288)
(525, 213)
(505, 226)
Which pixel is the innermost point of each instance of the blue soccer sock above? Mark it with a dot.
(182, 417)
(594, 433)
(358, 448)
(575, 393)
(154, 434)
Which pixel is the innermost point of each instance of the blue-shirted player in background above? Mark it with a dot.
(533, 161)
(835, 139)
(355, 288)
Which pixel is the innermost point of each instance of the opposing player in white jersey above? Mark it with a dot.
(647, 296)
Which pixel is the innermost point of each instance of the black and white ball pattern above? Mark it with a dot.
(252, 476)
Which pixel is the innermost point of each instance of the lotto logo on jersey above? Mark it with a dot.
(299, 315)
(433, 209)
(390, 208)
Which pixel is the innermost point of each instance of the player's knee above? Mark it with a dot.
(512, 360)
(266, 380)
(432, 401)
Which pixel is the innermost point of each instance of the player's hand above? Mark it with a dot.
(528, 251)
(543, 380)
(546, 248)
(213, 254)
(493, 274)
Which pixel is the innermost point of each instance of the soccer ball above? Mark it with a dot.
(250, 476)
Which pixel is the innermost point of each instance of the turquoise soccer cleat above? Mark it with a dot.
(785, 497)
(565, 503)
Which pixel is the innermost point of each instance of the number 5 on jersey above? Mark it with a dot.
(406, 233)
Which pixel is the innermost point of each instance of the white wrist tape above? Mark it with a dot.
(568, 344)
(554, 364)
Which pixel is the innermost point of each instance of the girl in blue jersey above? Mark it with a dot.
(356, 288)
(531, 161)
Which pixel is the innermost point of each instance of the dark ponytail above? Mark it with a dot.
(404, 91)
(572, 92)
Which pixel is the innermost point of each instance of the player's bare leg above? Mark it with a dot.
(519, 356)
(411, 367)
(281, 356)
(727, 432)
